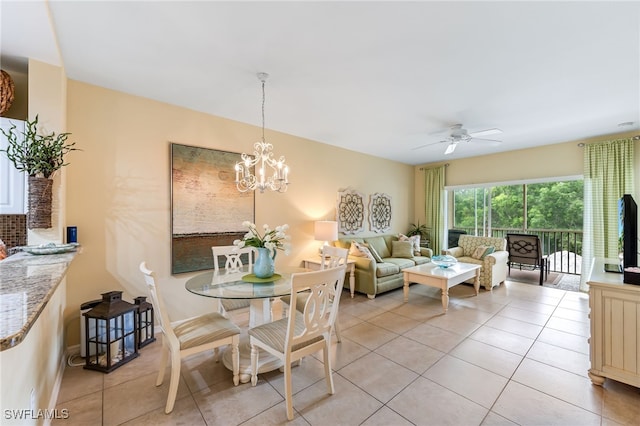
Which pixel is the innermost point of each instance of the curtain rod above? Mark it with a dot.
(633, 138)
(425, 168)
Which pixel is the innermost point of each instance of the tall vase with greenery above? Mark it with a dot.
(40, 156)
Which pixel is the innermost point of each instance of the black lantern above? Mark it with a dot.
(145, 322)
(114, 339)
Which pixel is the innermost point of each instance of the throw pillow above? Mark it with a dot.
(358, 249)
(481, 251)
(415, 240)
(374, 253)
(402, 249)
(489, 250)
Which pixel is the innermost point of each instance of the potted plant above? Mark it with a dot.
(417, 229)
(40, 156)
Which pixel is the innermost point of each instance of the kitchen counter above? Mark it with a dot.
(27, 282)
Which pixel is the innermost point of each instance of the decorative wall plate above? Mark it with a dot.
(350, 212)
(380, 212)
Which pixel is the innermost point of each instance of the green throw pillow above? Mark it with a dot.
(402, 249)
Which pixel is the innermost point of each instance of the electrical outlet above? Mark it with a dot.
(32, 399)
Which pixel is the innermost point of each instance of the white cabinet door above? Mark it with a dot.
(12, 182)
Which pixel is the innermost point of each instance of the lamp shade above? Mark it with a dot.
(326, 230)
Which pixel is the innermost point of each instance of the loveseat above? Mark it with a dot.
(493, 261)
(373, 277)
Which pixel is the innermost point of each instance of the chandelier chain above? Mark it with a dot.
(263, 98)
(261, 161)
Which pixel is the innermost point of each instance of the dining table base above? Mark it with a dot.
(261, 311)
(266, 361)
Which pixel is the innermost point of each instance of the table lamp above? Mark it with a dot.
(325, 230)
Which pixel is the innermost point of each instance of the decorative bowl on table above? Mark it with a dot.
(444, 261)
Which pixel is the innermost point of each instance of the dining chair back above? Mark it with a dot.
(334, 256)
(188, 337)
(232, 263)
(233, 257)
(302, 332)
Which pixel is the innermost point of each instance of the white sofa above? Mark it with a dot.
(494, 266)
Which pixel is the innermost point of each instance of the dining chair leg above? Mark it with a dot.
(163, 364)
(235, 355)
(336, 327)
(327, 368)
(288, 394)
(254, 365)
(173, 384)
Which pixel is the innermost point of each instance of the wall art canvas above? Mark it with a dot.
(350, 212)
(206, 208)
(380, 212)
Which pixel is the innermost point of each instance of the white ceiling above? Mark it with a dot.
(375, 77)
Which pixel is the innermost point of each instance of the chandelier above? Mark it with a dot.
(264, 162)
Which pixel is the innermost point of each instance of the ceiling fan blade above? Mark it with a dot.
(426, 145)
(490, 142)
(486, 132)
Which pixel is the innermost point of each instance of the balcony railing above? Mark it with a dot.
(562, 247)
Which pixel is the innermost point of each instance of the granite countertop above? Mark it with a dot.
(27, 282)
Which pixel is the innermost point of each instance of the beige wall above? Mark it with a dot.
(47, 100)
(547, 161)
(118, 190)
(37, 362)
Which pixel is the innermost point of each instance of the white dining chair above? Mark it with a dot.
(233, 263)
(333, 257)
(304, 331)
(190, 336)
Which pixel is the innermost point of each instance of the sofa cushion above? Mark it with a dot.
(469, 259)
(379, 245)
(400, 262)
(420, 260)
(385, 269)
(402, 249)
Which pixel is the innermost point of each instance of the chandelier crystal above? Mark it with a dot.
(264, 162)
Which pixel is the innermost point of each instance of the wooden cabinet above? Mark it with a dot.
(12, 182)
(615, 327)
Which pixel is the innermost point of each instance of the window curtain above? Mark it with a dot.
(434, 206)
(608, 175)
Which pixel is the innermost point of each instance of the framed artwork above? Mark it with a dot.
(379, 212)
(206, 208)
(350, 212)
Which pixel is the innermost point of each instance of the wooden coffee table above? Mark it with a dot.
(442, 278)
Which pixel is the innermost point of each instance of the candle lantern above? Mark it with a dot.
(146, 333)
(114, 340)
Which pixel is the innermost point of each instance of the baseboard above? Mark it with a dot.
(56, 386)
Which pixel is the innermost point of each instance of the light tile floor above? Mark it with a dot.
(517, 355)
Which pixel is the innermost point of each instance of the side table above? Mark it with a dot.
(316, 263)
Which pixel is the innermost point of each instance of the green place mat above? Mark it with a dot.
(251, 278)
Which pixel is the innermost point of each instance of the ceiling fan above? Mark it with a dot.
(460, 134)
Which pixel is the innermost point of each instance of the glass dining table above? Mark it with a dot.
(265, 305)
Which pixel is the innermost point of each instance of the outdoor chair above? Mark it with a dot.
(525, 249)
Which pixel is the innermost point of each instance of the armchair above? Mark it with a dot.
(494, 265)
